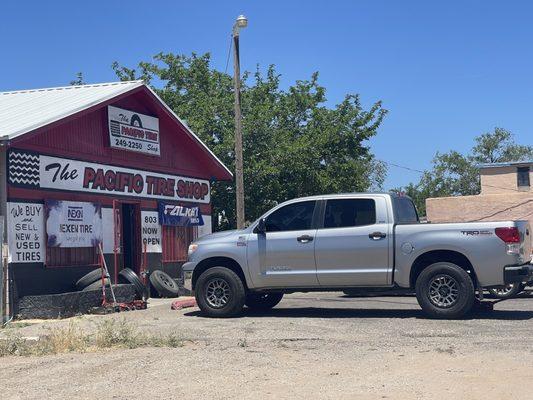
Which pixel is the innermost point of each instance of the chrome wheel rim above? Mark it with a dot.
(443, 291)
(217, 293)
(504, 290)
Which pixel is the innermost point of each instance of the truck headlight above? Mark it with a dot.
(192, 248)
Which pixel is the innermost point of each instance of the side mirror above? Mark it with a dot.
(261, 226)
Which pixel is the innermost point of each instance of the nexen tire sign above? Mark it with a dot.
(39, 171)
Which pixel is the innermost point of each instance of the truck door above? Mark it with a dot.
(284, 255)
(353, 243)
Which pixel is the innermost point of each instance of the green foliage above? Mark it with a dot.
(294, 145)
(79, 80)
(455, 174)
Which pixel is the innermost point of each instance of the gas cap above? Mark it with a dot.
(407, 248)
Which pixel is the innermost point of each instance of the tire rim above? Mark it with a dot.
(217, 293)
(443, 291)
(166, 281)
(505, 290)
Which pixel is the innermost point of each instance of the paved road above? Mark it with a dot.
(315, 345)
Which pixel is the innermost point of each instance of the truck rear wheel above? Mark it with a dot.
(445, 290)
(220, 292)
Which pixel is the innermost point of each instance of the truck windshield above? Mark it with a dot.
(404, 211)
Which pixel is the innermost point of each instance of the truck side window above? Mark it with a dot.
(349, 212)
(292, 217)
(404, 211)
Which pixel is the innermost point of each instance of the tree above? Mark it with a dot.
(294, 145)
(455, 174)
(79, 80)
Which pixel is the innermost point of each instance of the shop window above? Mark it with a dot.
(522, 174)
(176, 241)
(71, 256)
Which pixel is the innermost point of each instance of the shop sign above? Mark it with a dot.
(32, 170)
(25, 233)
(151, 232)
(170, 214)
(73, 224)
(133, 131)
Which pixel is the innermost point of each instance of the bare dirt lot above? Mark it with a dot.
(316, 345)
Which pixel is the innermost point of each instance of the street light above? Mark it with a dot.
(241, 22)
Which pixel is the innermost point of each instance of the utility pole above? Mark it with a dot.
(241, 22)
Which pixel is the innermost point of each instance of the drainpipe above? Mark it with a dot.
(5, 306)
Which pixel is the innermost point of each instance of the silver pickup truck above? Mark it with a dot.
(355, 241)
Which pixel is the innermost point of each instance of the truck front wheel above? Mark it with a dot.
(445, 290)
(220, 292)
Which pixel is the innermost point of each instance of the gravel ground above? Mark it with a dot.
(316, 345)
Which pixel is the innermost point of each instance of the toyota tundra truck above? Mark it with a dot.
(361, 241)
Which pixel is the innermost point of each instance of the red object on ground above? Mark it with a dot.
(185, 303)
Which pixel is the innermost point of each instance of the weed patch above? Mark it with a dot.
(108, 334)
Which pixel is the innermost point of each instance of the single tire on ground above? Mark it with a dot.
(89, 278)
(220, 293)
(126, 275)
(445, 290)
(262, 301)
(164, 284)
(508, 291)
(96, 285)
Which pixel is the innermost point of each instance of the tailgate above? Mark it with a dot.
(525, 238)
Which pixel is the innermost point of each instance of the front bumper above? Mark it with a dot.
(518, 273)
(187, 271)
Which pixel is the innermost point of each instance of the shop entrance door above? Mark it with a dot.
(127, 227)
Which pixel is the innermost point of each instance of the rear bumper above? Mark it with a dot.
(518, 273)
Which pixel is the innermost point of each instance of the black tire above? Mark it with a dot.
(126, 275)
(262, 301)
(448, 283)
(96, 285)
(89, 278)
(135, 118)
(508, 291)
(232, 291)
(164, 284)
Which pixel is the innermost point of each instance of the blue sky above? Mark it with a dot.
(446, 71)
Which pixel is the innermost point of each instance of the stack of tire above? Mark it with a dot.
(93, 281)
(162, 284)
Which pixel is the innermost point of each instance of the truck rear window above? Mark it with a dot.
(404, 211)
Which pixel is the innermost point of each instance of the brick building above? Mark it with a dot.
(506, 194)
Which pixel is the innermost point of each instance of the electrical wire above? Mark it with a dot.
(229, 53)
(423, 172)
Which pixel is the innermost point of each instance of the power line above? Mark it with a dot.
(402, 167)
(229, 53)
(423, 172)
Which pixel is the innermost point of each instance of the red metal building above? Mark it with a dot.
(97, 164)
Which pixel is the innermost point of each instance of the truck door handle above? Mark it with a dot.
(304, 238)
(377, 235)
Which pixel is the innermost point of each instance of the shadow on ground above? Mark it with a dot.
(313, 312)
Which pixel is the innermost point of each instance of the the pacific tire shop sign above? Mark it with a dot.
(105, 165)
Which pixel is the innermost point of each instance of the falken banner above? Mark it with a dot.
(133, 131)
(171, 214)
(33, 170)
(73, 223)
